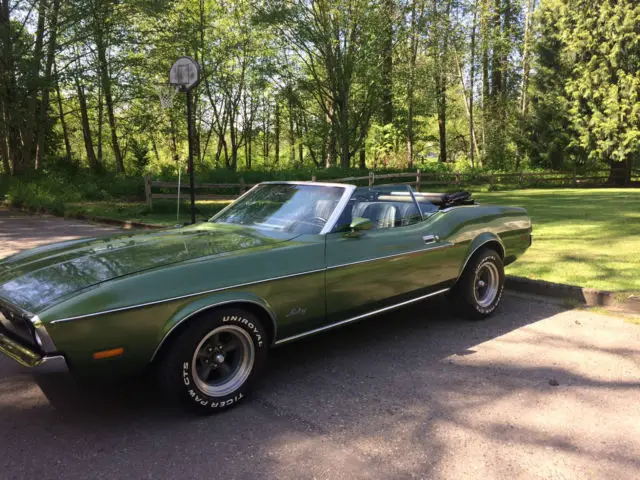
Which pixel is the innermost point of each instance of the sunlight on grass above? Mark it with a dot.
(586, 237)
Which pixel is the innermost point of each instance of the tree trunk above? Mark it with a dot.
(498, 48)
(300, 144)
(468, 105)
(43, 122)
(4, 151)
(106, 87)
(4, 148)
(154, 145)
(86, 129)
(277, 133)
(29, 134)
(331, 148)
(441, 92)
(486, 92)
(292, 136)
(63, 122)
(100, 122)
(472, 75)
(387, 64)
(343, 132)
(413, 54)
(8, 90)
(441, 54)
(525, 57)
(265, 133)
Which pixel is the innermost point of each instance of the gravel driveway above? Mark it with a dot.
(536, 391)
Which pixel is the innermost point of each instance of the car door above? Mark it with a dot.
(393, 262)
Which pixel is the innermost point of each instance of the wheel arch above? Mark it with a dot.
(486, 240)
(189, 313)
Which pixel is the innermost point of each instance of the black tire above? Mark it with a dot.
(479, 289)
(213, 364)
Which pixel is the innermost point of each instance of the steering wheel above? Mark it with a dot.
(320, 220)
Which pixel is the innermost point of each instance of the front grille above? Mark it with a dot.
(18, 324)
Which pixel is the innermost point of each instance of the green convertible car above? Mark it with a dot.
(203, 304)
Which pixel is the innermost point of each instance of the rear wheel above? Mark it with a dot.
(212, 365)
(481, 285)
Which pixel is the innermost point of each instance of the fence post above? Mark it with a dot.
(457, 178)
(313, 178)
(418, 178)
(493, 181)
(147, 191)
(242, 187)
(371, 179)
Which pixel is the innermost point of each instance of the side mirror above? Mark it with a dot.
(357, 225)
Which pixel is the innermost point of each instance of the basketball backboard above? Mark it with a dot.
(185, 73)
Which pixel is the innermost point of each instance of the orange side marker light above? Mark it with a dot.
(114, 352)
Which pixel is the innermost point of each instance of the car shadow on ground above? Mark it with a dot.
(430, 322)
(430, 330)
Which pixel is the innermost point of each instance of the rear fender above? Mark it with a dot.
(485, 238)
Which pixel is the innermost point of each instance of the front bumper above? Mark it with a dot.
(24, 339)
(29, 357)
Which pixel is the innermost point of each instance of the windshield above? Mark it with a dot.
(286, 207)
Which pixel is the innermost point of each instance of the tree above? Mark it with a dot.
(588, 83)
(337, 44)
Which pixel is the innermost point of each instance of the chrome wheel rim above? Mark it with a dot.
(486, 284)
(223, 360)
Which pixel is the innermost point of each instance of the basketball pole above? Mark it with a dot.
(190, 158)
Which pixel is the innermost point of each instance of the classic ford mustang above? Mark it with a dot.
(203, 304)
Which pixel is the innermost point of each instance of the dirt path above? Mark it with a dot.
(19, 231)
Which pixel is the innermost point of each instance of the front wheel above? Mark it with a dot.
(212, 365)
(481, 284)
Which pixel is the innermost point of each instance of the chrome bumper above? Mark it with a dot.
(30, 358)
(24, 338)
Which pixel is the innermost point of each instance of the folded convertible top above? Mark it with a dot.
(444, 200)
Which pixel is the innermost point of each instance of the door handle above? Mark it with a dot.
(430, 238)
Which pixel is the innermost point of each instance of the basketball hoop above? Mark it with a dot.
(183, 77)
(166, 92)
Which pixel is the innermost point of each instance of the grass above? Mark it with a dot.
(585, 237)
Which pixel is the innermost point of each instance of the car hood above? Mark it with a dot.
(36, 278)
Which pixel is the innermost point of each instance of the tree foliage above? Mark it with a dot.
(498, 84)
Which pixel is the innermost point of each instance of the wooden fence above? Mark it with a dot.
(418, 180)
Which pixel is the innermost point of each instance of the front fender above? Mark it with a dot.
(201, 304)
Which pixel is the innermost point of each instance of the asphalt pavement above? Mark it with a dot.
(536, 391)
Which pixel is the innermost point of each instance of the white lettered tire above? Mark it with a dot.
(479, 289)
(213, 364)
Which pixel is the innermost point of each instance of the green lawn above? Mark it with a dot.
(586, 237)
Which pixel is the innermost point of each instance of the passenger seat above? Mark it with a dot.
(382, 215)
